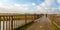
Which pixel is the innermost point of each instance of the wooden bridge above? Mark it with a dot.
(28, 22)
(11, 22)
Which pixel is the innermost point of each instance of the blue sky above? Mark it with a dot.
(56, 4)
(27, 5)
(26, 1)
(36, 2)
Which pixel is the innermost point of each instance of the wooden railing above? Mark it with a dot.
(8, 22)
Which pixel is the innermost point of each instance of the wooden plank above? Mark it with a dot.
(11, 22)
(25, 19)
(6, 22)
(3, 23)
(0, 22)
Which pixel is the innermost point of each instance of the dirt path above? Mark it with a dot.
(42, 23)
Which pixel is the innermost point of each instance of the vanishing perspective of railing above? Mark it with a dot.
(8, 22)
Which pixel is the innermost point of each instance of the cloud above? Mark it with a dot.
(24, 8)
(17, 5)
(21, 5)
(47, 7)
(47, 3)
(12, 8)
(4, 0)
(33, 4)
(15, 8)
(58, 1)
(42, 8)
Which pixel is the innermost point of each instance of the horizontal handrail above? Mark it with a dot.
(9, 21)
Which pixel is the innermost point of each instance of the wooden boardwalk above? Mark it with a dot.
(42, 23)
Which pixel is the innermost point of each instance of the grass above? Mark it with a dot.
(55, 26)
(55, 17)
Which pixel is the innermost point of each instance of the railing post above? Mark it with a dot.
(0, 22)
(14, 25)
(6, 22)
(3, 23)
(25, 19)
(34, 16)
(37, 16)
(11, 22)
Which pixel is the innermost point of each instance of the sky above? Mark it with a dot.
(29, 6)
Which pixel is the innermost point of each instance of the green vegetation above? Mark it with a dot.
(55, 26)
(55, 18)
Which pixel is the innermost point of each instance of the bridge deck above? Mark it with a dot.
(42, 23)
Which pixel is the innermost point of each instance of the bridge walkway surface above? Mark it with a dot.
(43, 23)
